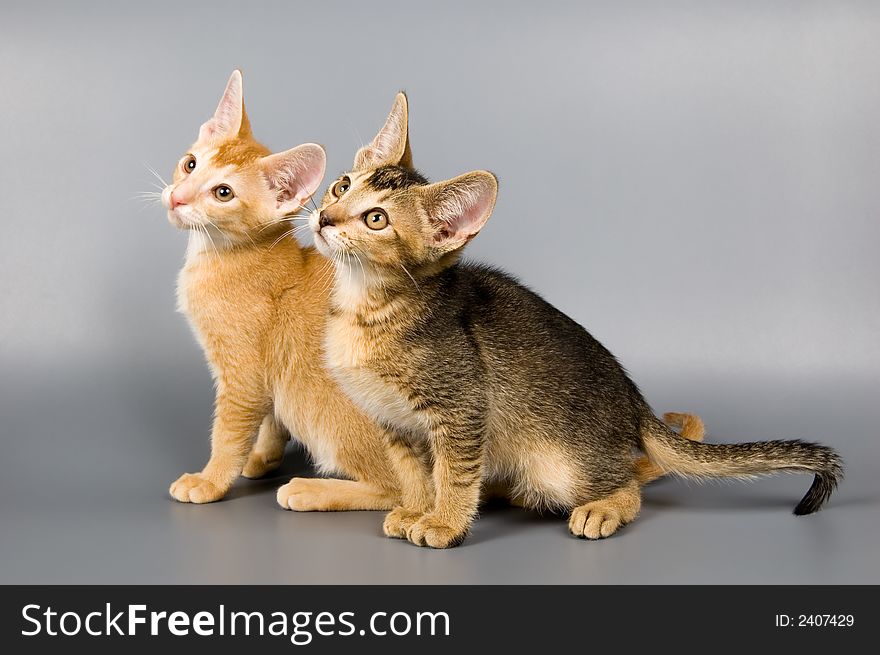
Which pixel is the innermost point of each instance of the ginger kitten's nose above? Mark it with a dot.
(177, 199)
(325, 219)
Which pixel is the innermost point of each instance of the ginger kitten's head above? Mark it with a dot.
(230, 187)
(385, 215)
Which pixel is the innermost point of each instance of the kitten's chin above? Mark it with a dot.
(322, 246)
(177, 222)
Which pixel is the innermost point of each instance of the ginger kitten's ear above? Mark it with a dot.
(459, 208)
(230, 119)
(294, 175)
(391, 145)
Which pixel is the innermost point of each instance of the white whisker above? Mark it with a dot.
(363, 270)
(411, 278)
(208, 234)
(295, 216)
(148, 197)
(281, 238)
(158, 177)
(357, 134)
(328, 277)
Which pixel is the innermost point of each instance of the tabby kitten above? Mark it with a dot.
(477, 379)
(257, 303)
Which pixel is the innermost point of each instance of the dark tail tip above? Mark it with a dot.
(824, 483)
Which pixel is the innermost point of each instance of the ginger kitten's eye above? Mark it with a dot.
(223, 193)
(188, 165)
(376, 219)
(341, 187)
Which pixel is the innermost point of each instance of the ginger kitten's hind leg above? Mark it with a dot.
(602, 517)
(330, 495)
(690, 427)
(268, 451)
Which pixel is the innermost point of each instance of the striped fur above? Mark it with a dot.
(479, 381)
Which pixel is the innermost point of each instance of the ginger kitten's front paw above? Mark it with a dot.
(301, 495)
(398, 521)
(259, 464)
(430, 531)
(193, 488)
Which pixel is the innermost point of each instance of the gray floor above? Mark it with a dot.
(87, 460)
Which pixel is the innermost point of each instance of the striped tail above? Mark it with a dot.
(694, 459)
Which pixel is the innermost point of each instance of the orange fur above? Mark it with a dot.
(690, 426)
(257, 302)
(259, 313)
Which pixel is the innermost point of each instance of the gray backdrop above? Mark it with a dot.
(697, 184)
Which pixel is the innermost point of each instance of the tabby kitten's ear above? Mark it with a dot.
(294, 175)
(391, 145)
(230, 119)
(459, 208)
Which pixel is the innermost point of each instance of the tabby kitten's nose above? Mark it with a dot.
(325, 220)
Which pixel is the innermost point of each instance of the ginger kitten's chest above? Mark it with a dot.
(349, 346)
(226, 317)
(366, 364)
(200, 300)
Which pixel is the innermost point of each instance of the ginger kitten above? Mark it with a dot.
(257, 303)
(478, 380)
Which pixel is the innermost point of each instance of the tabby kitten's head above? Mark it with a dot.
(230, 187)
(384, 216)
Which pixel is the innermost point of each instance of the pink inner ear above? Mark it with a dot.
(296, 174)
(460, 209)
(211, 129)
(227, 118)
(390, 143)
(470, 220)
(390, 136)
(228, 112)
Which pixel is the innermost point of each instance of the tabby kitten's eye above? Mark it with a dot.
(223, 193)
(376, 219)
(341, 187)
(189, 164)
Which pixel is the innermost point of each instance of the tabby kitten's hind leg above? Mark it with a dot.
(690, 426)
(268, 451)
(601, 518)
(331, 495)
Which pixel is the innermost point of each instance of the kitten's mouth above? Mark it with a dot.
(327, 242)
(177, 221)
(183, 222)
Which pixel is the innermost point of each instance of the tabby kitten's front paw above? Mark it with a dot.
(193, 488)
(430, 531)
(398, 521)
(594, 521)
